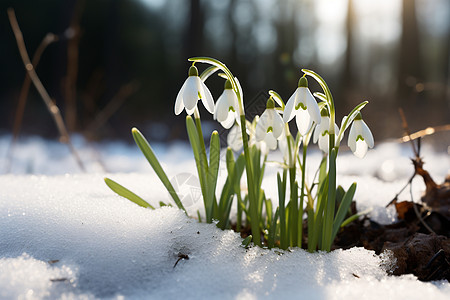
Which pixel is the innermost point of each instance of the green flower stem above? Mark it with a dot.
(281, 183)
(302, 196)
(293, 218)
(252, 194)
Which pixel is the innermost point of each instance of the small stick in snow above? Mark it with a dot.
(180, 257)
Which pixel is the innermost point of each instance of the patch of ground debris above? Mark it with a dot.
(419, 240)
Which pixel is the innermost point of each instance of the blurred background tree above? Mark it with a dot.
(120, 63)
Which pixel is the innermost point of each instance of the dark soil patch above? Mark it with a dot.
(419, 240)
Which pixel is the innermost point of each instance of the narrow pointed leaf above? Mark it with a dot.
(126, 193)
(343, 209)
(151, 158)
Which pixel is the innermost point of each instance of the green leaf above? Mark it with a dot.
(340, 192)
(126, 193)
(200, 162)
(273, 230)
(269, 212)
(355, 216)
(213, 171)
(282, 209)
(343, 209)
(246, 241)
(151, 158)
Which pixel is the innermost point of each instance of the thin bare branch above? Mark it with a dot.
(425, 132)
(73, 33)
(47, 40)
(53, 109)
(407, 131)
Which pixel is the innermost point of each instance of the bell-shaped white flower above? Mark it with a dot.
(227, 107)
(322, 134)
(192, 90)
(360, 137)
(303, 107)
(268, 143)
(234, 138)
(283, 143)
(270, 124)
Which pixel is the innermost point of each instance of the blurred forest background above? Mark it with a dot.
(120, 63)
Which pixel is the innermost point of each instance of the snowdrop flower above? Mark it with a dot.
(227, 107)
(270, 124)
(283, 145)
(234, 138)
(268, 143)
(303, 107)
(192, 90)
(360, 137)
(321, 133)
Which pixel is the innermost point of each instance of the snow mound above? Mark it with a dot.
(70, 237)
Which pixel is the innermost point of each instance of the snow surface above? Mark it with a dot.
(64, 234)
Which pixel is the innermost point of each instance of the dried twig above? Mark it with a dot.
(53, 109)
(424, 132)
(47, 40)
(407, 132)
(70, 81)
(418, 170)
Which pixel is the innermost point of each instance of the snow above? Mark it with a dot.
(64, 234)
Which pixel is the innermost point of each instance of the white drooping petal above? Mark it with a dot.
(367, 134)
(191, 111)
(270, 141)
(179, 104)
(324, 124)
(206, 96)
(303, 120)
(351, 142)
(234, 138)
(262, 125)
(241, 92)
(289, 113)
(226, 109)
(283, 145)
(361, 149)
(191, 91)
(229, 121)
(305, 117)
(324, 142)
(221, 110)
(277, 125)
(312, 107)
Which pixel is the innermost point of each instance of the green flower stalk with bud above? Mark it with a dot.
(282, 226)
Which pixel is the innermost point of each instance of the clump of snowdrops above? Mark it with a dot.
(325, 206)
